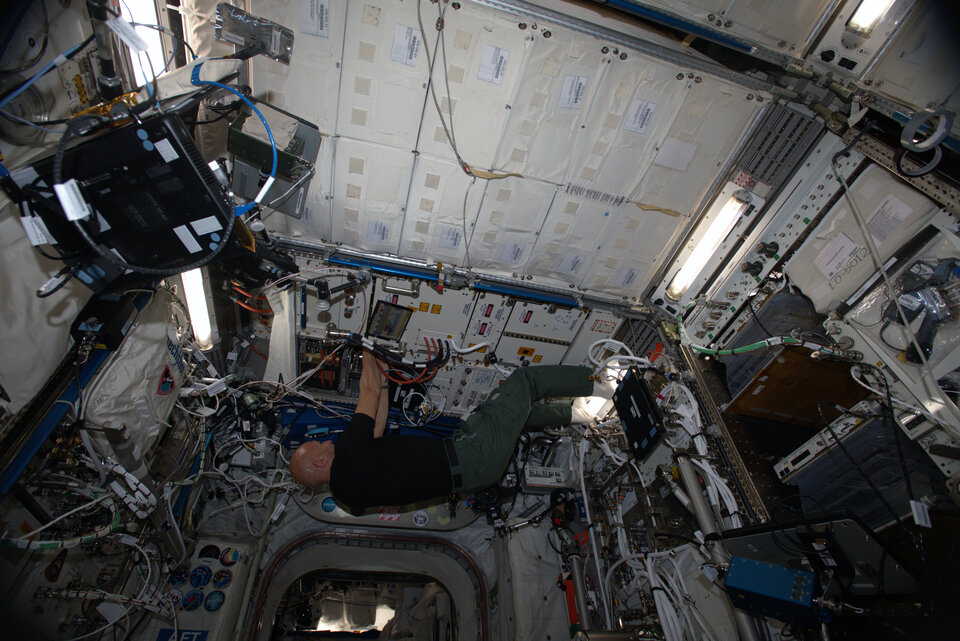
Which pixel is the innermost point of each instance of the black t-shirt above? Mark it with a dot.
(392, 470)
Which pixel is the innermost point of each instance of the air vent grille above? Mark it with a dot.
(782, 140)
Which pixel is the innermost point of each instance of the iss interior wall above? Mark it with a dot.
(615, 153)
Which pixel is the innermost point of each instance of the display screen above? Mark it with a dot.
(389, 320)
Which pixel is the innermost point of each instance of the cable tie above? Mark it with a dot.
(60, 60)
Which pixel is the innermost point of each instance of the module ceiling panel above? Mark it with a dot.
(781, 26)
(612, 152)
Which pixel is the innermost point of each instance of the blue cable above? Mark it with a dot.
(16, 92)
(195, 79)
(3, 171)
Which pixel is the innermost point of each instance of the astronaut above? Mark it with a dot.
(364, 470)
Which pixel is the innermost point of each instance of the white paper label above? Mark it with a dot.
(313, 18)
(626, 277)
(275, 42)
(921, 515)
(569, 263)
(166, 150)
(378, 232)
(574, 88)
(886, 218)
(37, 232)
(187, 239)
(639, 117)
(24, 176)
(128, 34)
(511, 253)
(406, 45)
(231, 37)
(493, 64)
(206, 225)
(836, 255)
(450, 238)
(74, 206)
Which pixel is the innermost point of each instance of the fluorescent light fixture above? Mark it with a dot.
(720, 226)
(867, 15)
(196, 289)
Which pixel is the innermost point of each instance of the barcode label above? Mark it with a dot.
(493, 64)
(450, 238)
(594, 194)
(574, 88)
(511, 253)
(313, 18)
(275, 42)
(626, 277)
(569, 263)
(36, 230)
(406, 45)
(641, 113)
(378, 232)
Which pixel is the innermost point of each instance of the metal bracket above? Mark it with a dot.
(413, 290)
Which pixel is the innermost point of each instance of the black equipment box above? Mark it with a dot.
(156, 202)
(639, 413)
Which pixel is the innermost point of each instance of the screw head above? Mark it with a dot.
(547, 33)
(679, 76)
(604, 50)
(623, 55)
(522, 26)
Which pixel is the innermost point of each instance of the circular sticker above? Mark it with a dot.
(176, 596)
(229, 556)
(209, 552)
(328, 504)
(192, 600)
(222, 578)
(200, 576)
(178, 577)
(214, 601)
(420, 518)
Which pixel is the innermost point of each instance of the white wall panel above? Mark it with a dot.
(571, 237)
(834, 261)
(714, 117)
(369, 192)
(920, 67)
(561, 79)
(634, 245)
(633, 110)
(509, 220)
(381, 99)
(479, 95)
(308, 86)
(434, 224)
(757, 21)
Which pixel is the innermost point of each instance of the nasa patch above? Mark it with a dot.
(328, 504)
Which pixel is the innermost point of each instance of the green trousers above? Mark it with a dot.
(486, 439)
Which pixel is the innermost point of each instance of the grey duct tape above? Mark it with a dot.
(908, 136)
